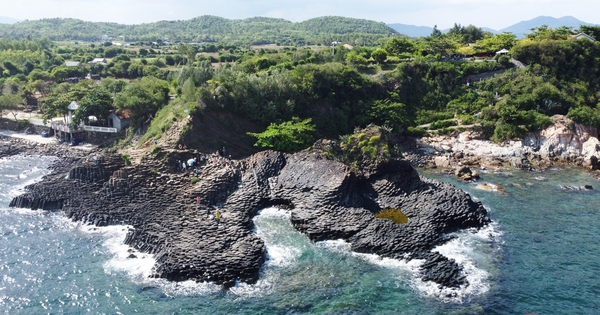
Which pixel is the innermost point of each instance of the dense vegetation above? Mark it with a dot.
(298, 93)
(259, 30)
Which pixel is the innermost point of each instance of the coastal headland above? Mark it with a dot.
(173, 214)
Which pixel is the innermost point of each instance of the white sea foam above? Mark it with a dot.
(466, 249)
(139, 269)
(273, 227)
(472, 251)
(279, 252)
(26, 177)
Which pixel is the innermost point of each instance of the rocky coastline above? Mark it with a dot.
(327, 200)
(564, 142)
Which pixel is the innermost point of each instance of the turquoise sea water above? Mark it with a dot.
(539, 256)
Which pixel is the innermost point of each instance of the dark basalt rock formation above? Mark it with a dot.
(327, 200)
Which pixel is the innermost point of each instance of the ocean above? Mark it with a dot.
(539, 256)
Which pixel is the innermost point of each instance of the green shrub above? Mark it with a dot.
(154, 172)
(466, 119)
(195, 180)
(585, 115)
(428, 116)
(22, 123)
(288, 136)
(416, 132)
(505, 131)
(442, 124)
(126, 160)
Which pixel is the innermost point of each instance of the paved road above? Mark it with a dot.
(31, 137)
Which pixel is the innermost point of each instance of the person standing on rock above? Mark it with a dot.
(198, 201)
(218, 215)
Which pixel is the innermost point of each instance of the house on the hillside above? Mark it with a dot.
(502, 51)
(69, 131)
(583, 36)
(96, 61)
(72, 63)
(119, 120)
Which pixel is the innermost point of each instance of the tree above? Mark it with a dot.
(585, 115)
(97, 103)
(37, 74)
(187, 51)
(55, 105)
(492, 43)
(143, 97)
(386, 113)
(11, 68)
(466, 35)
(10, 102)
(113, 86)
(547, 33)
(288, 136)
(356, 59)
(379, 55)
(436, 32)
(191, 53)
(441, 46)
(398, 46)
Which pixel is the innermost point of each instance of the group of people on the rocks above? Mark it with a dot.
(192, 163)
(195, 162)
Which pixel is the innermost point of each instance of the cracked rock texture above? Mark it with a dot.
(327, 200)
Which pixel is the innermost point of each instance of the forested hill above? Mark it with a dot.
(207, 28)
(343, 25)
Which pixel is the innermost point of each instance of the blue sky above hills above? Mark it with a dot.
(496, 14)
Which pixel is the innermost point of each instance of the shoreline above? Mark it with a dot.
(564, 143)
(326, 199)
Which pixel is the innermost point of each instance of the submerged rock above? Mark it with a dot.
(465, 173)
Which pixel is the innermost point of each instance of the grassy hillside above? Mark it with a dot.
(199, 29)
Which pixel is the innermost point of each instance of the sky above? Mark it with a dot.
(496, 14)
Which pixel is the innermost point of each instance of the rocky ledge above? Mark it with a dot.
(326, 198)
(564, 142)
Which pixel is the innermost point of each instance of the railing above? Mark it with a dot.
(64, 128)
(100, 129)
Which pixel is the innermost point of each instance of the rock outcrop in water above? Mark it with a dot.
(326, 198)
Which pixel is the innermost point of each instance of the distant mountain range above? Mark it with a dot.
(519, 29)
(7, 20)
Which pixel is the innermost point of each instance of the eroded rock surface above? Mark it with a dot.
(327, 200)
(563, 142)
